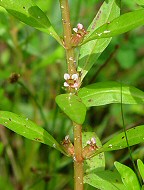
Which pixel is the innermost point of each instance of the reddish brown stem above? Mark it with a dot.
(78, 159)
(67, 36)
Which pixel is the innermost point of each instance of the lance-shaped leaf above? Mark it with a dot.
(72, 106)
(96, 163)
(128, 176)
(25, 127)
(90, 52)
(29, 13)
(141, 168)
(134, 135)
(122, 24)
(103, 93)
(105, 180)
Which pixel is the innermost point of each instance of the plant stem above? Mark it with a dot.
(77, 129)
(78, 159)
(67, 36)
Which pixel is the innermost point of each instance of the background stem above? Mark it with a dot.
(15, 167)
(36, 102)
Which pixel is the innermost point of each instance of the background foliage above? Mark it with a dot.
(40, 62)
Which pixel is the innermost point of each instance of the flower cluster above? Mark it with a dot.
(92, 141)
(79, 35)
(71, 80)
(90, 148)
(79, 27)
(68, 146)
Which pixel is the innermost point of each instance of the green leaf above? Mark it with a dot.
(141, 168)
(120, 25)
(96, 163)
(23, 126)
(90, 52)
(140, 2)
(135, 136)
(105, 180)
(128, 176)
(29, 13)
(72, 106)
(103, 93)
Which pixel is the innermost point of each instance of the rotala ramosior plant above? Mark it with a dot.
(82, 48)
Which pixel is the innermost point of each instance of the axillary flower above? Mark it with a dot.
(79, 34)
(72, 81)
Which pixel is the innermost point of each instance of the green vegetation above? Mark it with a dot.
(71, 95)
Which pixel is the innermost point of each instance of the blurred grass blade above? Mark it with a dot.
(128, 176)
(105, 180)
(135, 136)
(96, 163)
(141, 168)
(90, 52)
(120, 25)
(26, 128)
(103, 93)
(29, 13)
(72, 106)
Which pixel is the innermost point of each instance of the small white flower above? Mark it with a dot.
(66, 76)
(67, 137)
(79, 26)
(74, 76)
(66, 84)
(88, 142)
(71, 80)
(75, 30)
(93, 140)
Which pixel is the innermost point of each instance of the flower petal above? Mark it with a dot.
(66, 84)
(79, 26)
(66, 76)
(75, 85)
(75, 30)
(93, 140)
(74, 76)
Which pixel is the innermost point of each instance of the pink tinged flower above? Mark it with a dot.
(71, 80)
(75, 85)
(92, 141)
(66, 76)
(79, 26)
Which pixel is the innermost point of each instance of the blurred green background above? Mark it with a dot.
(40, 61)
